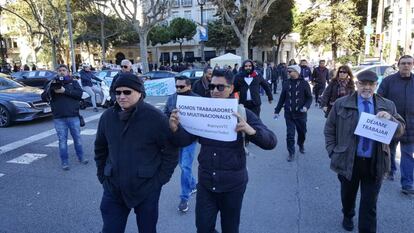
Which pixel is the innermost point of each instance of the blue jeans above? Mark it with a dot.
(407, 165)
(188, 182)
(62, 125)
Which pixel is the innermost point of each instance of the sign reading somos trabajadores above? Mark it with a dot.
(208, 117)
(377, 129)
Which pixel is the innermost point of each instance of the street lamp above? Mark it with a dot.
(201, 3)
(3, 49)
(274, 49)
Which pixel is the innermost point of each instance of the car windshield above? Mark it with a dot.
(6, 83)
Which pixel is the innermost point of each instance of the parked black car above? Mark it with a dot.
(158, 75)
(193, 74)
(20, 103)
(18, 75)
(37, 78)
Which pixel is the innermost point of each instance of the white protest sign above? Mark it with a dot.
(377, 129)
(160, 87)
(208, 117)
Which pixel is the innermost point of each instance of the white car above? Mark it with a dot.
(381, 70)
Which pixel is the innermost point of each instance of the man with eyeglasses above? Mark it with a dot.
(296, 98)
(399, 88)
(126, 67)
(359, 161)
(186, 154)
(64, 95)
(135, 157)
(222, 171)
(248, 82)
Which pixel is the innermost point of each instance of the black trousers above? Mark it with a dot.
(254, 108)
(208, 204)
(292, 125)
(273, 85)
(115, 213)
(318, 91)
(370, 187)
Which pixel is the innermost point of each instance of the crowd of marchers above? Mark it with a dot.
(133, 168)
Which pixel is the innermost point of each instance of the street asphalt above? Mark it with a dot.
(298, 197)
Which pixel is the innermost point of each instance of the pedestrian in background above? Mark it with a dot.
(236, 69)
(399, 88)
(282, 72)
(200, 86)
(186, 154)
(319, 80)
(341, 85)
(222, 170)
(248, 82)
(359, 161)
(86, 76)
(135, 157)
(296, 99)
(272, 77)
(305, 71)
(64, 95)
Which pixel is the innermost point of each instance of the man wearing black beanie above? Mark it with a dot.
(131, 167)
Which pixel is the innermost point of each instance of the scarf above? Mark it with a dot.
(342, 90)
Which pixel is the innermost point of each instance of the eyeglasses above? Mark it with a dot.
(125, 92)
(220, 87)
(126, 67)
(180, 86)
(342, 72)
(290, 71)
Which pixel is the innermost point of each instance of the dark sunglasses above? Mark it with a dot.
(180, 86)
(125, 92)
(126, 67)
(343, 72)
(220, 87)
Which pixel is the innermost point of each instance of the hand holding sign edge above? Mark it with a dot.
(243, 126)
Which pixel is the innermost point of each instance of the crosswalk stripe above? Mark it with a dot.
(56, 143)
(88, 132)
(27, 158)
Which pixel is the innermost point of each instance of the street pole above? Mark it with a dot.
(202, 3)
(3, 48)
(368, 28)
(72, 49)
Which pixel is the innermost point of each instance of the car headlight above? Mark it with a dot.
(20, 104)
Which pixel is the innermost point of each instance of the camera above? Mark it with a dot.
(57, 83)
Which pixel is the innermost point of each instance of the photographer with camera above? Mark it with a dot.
(63, 93)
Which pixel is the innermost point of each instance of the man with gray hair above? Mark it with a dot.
(126, 67)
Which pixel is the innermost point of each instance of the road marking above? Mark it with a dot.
(27, 158)
(160, 104)
(1, 174)
(56, 143)
(14, 145)
(88, 132)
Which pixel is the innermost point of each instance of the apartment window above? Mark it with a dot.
(175, 3)
(187, 14)
(15, 44)
(400, 10)
(209, 15)
(399, 22)
(186, 2)
(175, 14)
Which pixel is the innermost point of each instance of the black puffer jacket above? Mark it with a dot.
(401, 91)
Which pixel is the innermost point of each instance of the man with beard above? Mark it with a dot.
(248, 82)
(186, 155)
(200, 87)
(357, 160)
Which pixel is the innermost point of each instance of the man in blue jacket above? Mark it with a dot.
(222, 171)
(296, 98)
(399, 88)
(86, 79)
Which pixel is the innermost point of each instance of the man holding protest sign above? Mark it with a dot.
(222, 171)
(358, 160)
(399, 88)
(188, 182)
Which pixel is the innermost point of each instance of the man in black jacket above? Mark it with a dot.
(200, 86)
(248, 83)
(134, 156)
(320, 77)
(296, 98)
(399, 88)
(64, 95)
(222, 171)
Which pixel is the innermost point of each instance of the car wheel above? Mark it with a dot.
(5, 119)
(82, 105)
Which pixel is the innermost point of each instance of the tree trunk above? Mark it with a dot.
(54, 61)
(103, 38)
(181, 52)
(244, 48)
(334, 52)
(143, 50)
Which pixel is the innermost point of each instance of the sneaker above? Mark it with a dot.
(84, 161)
(302, 149)
(290, 157)
(194, 191)
(348, 224)
(407, 191)
(183, 206)
(95, 109)
(65, 167)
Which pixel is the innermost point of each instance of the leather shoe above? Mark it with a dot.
(290, 157)
(348, 224)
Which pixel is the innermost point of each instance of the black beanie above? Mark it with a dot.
(130, 80)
